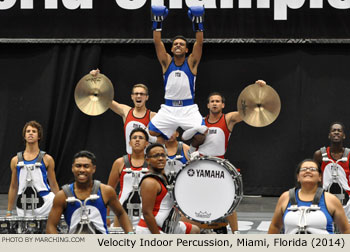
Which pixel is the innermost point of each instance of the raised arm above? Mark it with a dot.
(159, 13)
(118, 108)
(195, 56)
(13, 186)
(59, 204)
(196, 15)
(260, 82)
(234, 117)
(51, 176)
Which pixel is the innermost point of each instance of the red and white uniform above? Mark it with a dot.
(343, 171)
(132, 122)
(216, 140)
(343, 177)
(126, 182)
(161, 210)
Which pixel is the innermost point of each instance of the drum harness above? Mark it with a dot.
(172, 163)
(174, 215)
(29, 198)
(84, 226)
(336, 187)
(133, 203)
(304, 210)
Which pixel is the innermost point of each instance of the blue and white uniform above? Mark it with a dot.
(317, 222)
(175, 164)
(38, 176)
(179, 109)
(97, 213)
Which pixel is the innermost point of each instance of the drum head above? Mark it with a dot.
(205, 191)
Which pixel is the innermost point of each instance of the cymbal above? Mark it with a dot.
(94, 94)
(258, 105)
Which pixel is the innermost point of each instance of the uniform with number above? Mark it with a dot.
(179, 109)
(217, 138)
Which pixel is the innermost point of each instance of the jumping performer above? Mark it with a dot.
(179, 74)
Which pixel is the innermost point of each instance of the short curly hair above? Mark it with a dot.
(36, 125)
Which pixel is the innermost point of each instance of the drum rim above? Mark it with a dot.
(234, 174)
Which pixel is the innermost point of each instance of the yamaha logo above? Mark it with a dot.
(206, 173)
(190, 172)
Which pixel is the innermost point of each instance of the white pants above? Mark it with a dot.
(169, 118)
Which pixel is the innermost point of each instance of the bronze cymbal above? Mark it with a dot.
(94, 94)
(259, 105)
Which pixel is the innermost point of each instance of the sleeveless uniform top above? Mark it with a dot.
(216, 141)
(126, 181)
(178, 163)
(97, 213)
(38, 175)
(317, 222)
(162, 207)
(343, 172)
(179, 83)
(132, 122)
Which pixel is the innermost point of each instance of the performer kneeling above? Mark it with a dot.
(307, 209)
(84, 202)
(157, 203)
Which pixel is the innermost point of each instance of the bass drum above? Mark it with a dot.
(207, 189)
